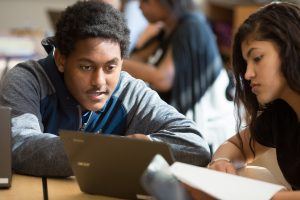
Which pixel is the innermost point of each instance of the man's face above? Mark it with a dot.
(91, 71)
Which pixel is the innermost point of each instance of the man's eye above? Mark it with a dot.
(86, 67)
(110, 67)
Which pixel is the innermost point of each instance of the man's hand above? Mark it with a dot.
(139, 136)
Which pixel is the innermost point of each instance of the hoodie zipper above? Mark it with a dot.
(79, 115)
(83, 126)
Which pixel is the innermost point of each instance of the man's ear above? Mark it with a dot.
(60, 60)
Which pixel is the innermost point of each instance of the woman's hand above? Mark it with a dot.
(223, 165)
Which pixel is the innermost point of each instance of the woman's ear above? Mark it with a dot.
(60, 60)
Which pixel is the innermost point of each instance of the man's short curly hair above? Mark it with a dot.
(91, 19)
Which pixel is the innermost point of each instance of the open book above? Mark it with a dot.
(165, 182)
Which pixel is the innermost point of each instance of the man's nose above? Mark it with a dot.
(98, 77)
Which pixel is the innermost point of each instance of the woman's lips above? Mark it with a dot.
(254, 87)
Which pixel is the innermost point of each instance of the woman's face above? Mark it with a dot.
(264, 70)
(153, 10)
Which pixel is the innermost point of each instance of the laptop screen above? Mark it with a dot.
(111, 165)
(5, 147)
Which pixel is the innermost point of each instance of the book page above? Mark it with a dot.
(223, 186)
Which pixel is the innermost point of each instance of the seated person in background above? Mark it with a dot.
(135, 20)
(115, 3)
(80, 86)
(183, 64)
(266, 65)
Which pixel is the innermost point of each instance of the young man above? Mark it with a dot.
(80, 86)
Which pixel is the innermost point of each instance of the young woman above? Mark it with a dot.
(266, 64)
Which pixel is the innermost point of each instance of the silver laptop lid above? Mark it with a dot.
(111, 165)
(5, 147)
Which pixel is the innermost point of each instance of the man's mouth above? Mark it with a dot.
(97, 94)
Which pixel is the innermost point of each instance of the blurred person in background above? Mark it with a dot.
(182, 62)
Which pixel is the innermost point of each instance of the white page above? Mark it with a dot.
(224, 186)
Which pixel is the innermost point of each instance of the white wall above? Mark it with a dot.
(28, 13)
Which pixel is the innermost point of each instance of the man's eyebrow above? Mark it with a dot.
(112, 61)
(85, 60)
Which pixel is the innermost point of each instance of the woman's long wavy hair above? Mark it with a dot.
(278, 23)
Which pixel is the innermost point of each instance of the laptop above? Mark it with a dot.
(111, 165)
(5, 147)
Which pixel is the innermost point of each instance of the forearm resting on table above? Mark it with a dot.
(231, 152)
(41, 156)
(287, 195)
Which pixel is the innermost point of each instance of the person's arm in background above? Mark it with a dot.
(144, 53)
(149, 115)
(150, 31)
(235, 153)
(159, 77)
(33, 152)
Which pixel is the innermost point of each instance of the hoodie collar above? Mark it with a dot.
(56, 77)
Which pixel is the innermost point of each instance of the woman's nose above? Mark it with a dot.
(250, 73)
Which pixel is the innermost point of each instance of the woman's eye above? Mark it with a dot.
(257, 58)
(86, 68)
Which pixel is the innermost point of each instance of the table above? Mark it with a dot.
(28, 187)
